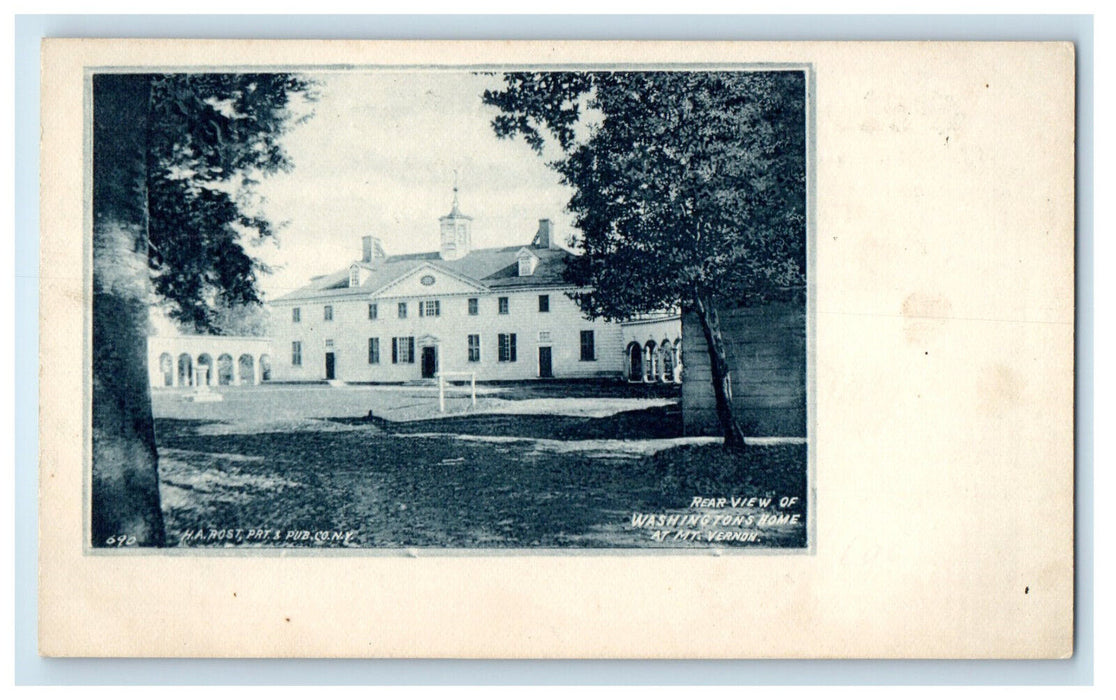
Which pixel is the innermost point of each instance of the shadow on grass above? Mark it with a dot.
(587, 389)
(761, 470)
(645, 424)
(396, 490)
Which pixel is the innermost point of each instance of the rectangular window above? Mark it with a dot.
(430, 308)
(474, 348)
(403, 350)
(373, 351)
(503, 305)
(327, 313)
(507, 347)
(588, 349)
(402, 309)
(373, 312)
(473, 307)
(544, 303)
(296, 353)
(296, 315)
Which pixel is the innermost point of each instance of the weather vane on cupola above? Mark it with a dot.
(454, 210)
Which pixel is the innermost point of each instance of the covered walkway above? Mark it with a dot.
(208, 360)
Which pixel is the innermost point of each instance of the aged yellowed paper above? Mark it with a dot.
(441, 435)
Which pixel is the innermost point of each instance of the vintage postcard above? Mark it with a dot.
(465, 349)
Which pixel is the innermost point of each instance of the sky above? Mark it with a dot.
(378, 158)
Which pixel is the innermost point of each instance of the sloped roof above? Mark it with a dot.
(496, 268)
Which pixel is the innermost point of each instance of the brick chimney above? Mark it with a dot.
(544, 238)
(371, 249)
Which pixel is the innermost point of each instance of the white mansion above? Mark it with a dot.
(502, 313)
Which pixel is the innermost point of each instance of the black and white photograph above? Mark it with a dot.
(434, 310)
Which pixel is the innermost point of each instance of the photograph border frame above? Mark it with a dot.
(809, 306)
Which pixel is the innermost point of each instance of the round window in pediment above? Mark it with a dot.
(427, 280)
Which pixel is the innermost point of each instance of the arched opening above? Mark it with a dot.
(666, 350)
(265, 368)
(166, 368)
(247, 366)
(185, 370)
(225, 369)
(652, 368)
(205, 370)
(635, 362)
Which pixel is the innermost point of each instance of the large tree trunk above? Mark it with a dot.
(706, 311)
(125, 484)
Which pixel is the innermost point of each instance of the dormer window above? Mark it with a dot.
(527, 262)
(358, 275)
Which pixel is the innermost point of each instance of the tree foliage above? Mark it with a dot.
(689, 189)
(686, 184)
(174, 161)
(210, 137)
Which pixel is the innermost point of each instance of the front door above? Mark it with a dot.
(330, 366)
(545, 370)
(429, 362)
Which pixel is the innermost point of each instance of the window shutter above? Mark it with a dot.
(511, 343)
(411, 349)
(395, 351)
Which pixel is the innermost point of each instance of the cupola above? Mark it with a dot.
(456, 234)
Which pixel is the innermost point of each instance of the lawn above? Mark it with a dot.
(311, 465)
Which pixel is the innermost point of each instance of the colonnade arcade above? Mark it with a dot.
(193, 361)
(187, 370)
(655, 362)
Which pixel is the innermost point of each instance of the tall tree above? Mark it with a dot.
(689, 188)
(175, 158)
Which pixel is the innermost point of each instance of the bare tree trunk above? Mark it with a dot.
(706, 311)
(125, 484)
